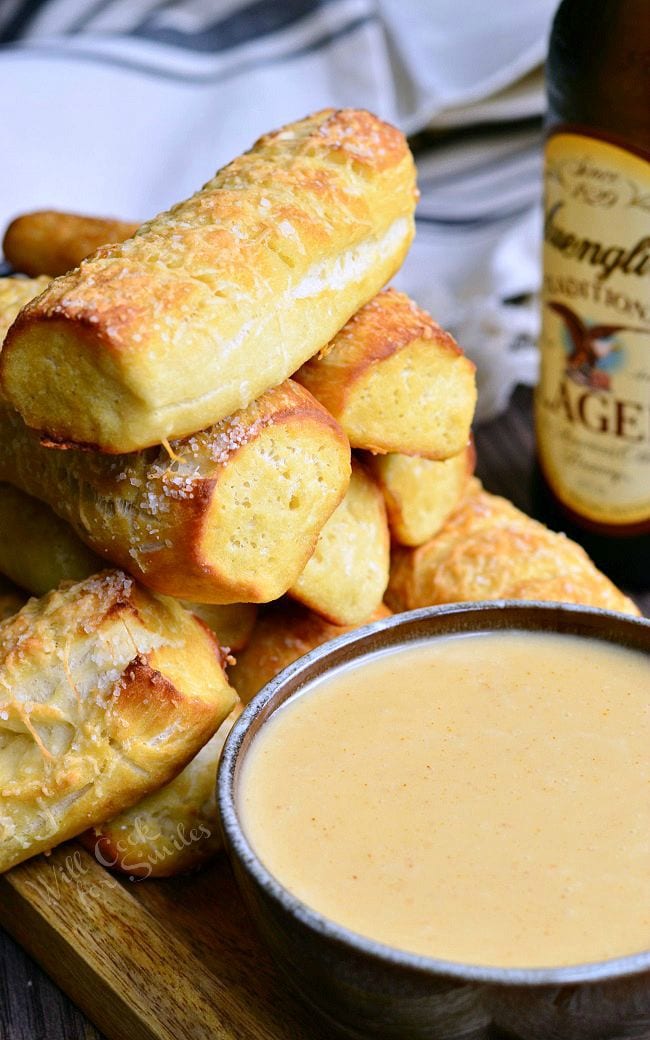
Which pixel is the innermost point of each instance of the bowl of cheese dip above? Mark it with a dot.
(441, 823)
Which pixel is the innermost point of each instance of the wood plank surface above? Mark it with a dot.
(177, 959)
(155, 960)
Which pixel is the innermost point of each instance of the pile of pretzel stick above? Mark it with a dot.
(223, 442)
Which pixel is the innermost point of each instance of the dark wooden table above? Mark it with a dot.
(31, 1007)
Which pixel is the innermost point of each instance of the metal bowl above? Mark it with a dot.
(365, 989)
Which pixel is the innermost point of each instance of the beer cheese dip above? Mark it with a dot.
(481, 798)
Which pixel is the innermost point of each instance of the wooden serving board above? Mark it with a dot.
(174, 959)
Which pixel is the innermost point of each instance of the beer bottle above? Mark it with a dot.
(592, 404)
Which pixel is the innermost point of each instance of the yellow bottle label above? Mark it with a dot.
(592, 403)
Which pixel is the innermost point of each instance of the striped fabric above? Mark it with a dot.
(120, 107)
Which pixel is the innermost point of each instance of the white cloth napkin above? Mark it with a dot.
(121, 107)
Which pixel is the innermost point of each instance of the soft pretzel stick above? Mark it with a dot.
(347, 575)
(395, 381)
(106, 693)
(222, 297)
(228, 515)
(488, 549)
(48, 242)
(420, 494)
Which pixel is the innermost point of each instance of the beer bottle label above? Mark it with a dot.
(592, 404)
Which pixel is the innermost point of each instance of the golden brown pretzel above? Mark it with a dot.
(222, 297)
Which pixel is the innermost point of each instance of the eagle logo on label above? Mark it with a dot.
(589, 347)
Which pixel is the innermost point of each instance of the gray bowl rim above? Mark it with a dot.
(238, 846)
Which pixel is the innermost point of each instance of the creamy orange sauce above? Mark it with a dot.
(479, 798)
